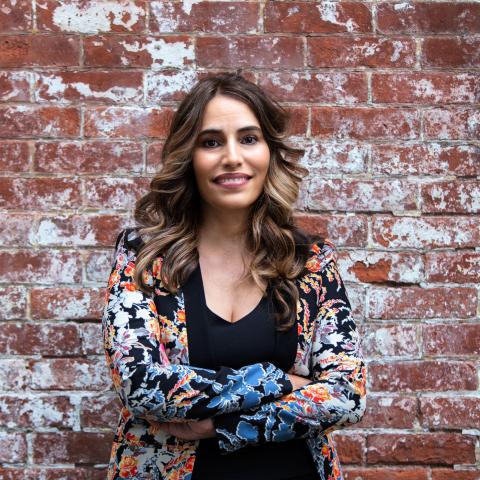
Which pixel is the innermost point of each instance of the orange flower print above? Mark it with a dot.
(114, 279)
(128, 467)
(317, 393)
(129, 269)
(313, 264)
(181, 316)
(128, 286)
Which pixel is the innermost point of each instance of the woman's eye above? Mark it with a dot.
(253, 139)
(208, 143)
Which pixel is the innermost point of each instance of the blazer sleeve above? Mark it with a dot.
(147, 384)
(337, 395)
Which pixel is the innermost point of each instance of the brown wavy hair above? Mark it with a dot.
(168, 216)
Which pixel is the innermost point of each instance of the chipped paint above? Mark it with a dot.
(398, 47)
(95, 17)
(162, 53)
(160, 85)
(187, 5)
(328, 13)
(403, 6)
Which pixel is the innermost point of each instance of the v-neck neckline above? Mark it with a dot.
(208, 309)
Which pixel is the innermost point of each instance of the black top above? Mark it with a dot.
(249, 340)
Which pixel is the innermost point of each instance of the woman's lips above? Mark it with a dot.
(232, 182)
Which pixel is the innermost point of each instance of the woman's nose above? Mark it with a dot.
(232, 153)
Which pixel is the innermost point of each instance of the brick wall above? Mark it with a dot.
(384, 97)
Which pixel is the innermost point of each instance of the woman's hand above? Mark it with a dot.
(194, 430)
(297, 381)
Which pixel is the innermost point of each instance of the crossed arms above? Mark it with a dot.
(249, 405)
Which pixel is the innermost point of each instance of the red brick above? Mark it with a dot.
(366, 51)
(334, 157)
(69, 374)
(455, 267)
(388, 412)
(71, 447)
(40, 266)
(417, 302)
(14, 375)
(13, 447)
(14, 156)
(426, 232)
(298, 120)
(169, 85)
(98, 266)
(454, 474)
(89, 16)
(450, 52)
(343, 230)
(138, 51)
(365, 123)
(116, 193)
(16, 229)
(299, 17)
(452, 197)
(425, 88)
(266, 51)
(67, 303)
(418, 376)
(338, 88)
(387, 473)
(90, 86)
(88, 157)
(34, 121)
(13, 303)
(390, 340)
(14, 86)
(55, 473)
(78, 230)
(39, 193)
(37, 412)
(15, 15)
(39, 339)
(154, 156)
(418, 17)
(350, 447)
(100, 412)
(458, 124)
(426, 159)
(447, 412)
(361, 195)
(209, 17)
(380, 267)
(447, 339)
(425, 448)
(92, 338)
(34, 50)
(356, 295)
(133, 122)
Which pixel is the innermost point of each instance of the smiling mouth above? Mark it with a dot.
(232, 180)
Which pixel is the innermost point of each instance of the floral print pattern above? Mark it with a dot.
(146, 349)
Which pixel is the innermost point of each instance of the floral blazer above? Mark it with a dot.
(146, 349)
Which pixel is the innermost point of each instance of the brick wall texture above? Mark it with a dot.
(384, 97)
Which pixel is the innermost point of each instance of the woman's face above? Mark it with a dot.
(231, 157)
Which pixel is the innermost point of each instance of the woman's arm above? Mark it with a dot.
(148, 385)
(335, 398)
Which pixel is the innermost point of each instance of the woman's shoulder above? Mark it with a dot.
(129, 238)
(322, 252)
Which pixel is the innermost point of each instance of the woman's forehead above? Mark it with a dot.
(222, 109)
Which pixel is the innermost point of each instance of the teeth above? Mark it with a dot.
(232, 180)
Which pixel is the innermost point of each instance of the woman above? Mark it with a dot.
(227, 330)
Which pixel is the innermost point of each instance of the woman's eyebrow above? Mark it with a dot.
(243, 129)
